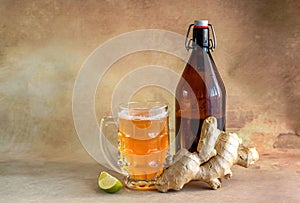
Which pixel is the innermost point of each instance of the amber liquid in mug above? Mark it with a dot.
(143, 145)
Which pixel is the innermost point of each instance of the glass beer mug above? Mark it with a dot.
(143, 142)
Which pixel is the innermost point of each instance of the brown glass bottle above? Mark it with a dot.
(200, 92)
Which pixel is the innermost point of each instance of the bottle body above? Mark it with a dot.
(200, 93)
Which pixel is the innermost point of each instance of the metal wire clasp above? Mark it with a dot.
(214, 41)
(189, 42)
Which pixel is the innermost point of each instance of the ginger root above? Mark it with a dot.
(217, 152)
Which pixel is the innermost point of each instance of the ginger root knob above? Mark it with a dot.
(217, 150)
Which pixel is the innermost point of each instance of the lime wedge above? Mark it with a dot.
(108, 183)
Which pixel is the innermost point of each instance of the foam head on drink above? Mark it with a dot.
(143, 143)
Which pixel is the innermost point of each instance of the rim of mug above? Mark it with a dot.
(144, 105)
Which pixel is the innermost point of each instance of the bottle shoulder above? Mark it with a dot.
(201, 75)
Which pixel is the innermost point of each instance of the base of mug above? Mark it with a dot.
(140, 184)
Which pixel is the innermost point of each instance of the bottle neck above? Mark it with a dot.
(201, 37)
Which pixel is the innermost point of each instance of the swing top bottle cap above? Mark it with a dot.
(201, 23)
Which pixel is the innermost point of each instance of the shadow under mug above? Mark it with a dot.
(143, 142)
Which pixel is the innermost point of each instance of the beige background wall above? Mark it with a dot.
(44, 43)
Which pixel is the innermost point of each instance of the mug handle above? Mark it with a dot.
(109, 151)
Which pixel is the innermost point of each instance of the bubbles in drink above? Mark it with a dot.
(153, 164)
(141, 125)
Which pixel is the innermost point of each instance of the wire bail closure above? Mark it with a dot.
(189, 44)
(187, 40)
